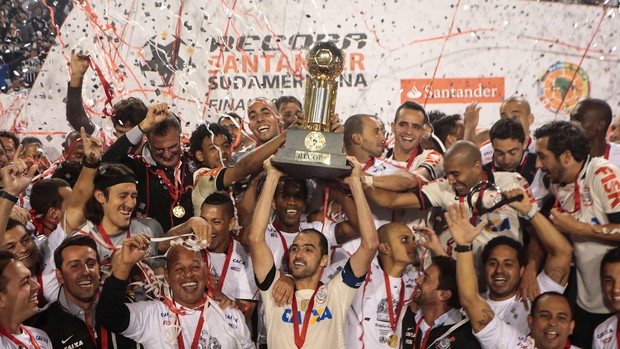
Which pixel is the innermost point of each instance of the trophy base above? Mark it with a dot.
(301, 157)
(301, 170)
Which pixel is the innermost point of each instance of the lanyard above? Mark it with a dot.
(368, 164)
(401, 299)
(426, 335)
(17, 341)
(175, 190)
(284, 246)
(220, 283)
(607, 149)
(196, 334)
(93, 334)
(414, 154)
(106, 237)
(576, 198)
(300, 338)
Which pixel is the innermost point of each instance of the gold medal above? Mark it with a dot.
(304, 304)
(178, 211)
(392, 341)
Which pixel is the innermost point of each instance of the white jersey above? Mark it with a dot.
(368, 320)
(153, 325)
(40, 337)
(499, 335)
(50, 284)
(325, 329)
(239, 281)
(599, 193)
(279, 242)
(612, 153)
(605, 336)
(487, 150)
(513, 312)
(428, 159)
(503, 221)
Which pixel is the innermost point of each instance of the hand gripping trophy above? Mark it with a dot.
(313, 151)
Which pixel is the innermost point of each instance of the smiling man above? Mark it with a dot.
(70, 321)
(189, 318)
(606, 334)
(103, 202)
(463, 166)
(316, 317)
(163, 170)
(587, 208)
(551, 317)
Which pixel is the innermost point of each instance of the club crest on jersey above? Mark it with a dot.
(321, 296)
(444, 343)
(587, 196)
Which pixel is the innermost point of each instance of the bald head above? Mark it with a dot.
(517, 100)
(179, 252)
(387, 230)
(467, 151)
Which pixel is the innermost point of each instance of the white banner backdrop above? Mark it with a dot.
(209, 57)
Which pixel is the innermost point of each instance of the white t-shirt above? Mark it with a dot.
(152, 324)
(325, 330)
(499, 335)
(39, 335)
(599, 191)
(239, 282)
(605, 334)
(513, 312)
(503, 221)
(369, 317)
(428, 159)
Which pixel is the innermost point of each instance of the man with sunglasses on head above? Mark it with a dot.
(163, 170)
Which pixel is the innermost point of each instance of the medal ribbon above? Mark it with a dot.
(17, 341)
(176, 190)
(426, 335)
(414, 154)
(196, 334)
(106, 237)
(284, 245)
(368, 164)
(576, 198)
(607, 149)
(401, 300)
(300, 338)
(220, 283)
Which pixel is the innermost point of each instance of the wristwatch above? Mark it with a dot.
(464, 248)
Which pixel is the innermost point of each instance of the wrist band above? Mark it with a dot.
(464, 248)
(531, 213)
(8, 196)
(87, 164)
(141, 130)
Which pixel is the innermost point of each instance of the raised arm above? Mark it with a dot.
(84, 187)
(390, 199)
(253, 161)
(156, 113)
(76, 116)
(559, 250)
(400, 181)
(463, 233)
(262, 258)
(360, 260)
(15, 180)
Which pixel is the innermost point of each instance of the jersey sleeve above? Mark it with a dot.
(433, 163)
(606, 187)
(546, 284)
(498, 334)
(140, 316)
(431, 194)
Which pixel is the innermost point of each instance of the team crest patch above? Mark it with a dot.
(444, 343)
(321, 296)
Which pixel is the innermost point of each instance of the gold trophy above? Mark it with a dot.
(312, 151)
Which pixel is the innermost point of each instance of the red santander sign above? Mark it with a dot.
(452, 90)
